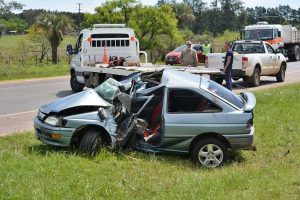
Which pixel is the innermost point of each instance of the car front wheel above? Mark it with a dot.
(210, 153)
(91, 142)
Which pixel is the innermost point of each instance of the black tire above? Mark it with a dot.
(236, 78)
(281, 74)
(296, 55)
(75, 86)
(255, 78)
(91, 142)
(218, 80)
(214, 158)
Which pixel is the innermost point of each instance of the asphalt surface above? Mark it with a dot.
(20, 100)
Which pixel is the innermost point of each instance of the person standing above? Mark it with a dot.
(228, 65)
(206, 50)
(188, 56)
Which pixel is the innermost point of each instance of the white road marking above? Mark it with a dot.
(20, 113)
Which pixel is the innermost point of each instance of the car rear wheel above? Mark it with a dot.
(281, 74)
(210, 153)
(91, 142)
(255, 78)
(75, 86)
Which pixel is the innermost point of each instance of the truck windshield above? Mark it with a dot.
(259, 34)
(245, 48)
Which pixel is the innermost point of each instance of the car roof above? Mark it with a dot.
(172, 77)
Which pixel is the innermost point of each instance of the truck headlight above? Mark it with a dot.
(52, 120)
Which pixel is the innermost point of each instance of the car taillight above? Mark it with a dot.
(244, 62)
(206, 61)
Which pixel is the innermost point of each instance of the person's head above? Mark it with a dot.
(226, 46)
(189, 44)
(206, 43)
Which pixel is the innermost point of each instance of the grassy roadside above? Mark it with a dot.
(30, 170)
(14, 72)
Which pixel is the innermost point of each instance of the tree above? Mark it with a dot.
(155, 26)
(55, 27)
(40, 44)
(6, 8)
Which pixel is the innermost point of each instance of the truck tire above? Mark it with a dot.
(296, 55)
(280, 76)
(75, 86)
(255, 78)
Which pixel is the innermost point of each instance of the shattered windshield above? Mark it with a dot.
(108, 90)
(231, 97)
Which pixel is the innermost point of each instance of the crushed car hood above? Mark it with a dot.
(86, 98)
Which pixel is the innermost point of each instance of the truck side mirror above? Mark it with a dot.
(69, 49)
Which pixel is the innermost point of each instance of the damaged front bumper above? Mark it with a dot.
(56, 136)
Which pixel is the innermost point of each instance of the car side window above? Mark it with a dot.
(270, 49)
(188, 101)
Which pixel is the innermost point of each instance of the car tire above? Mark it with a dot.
(210, 152)
(255, 78)
(75, 86)
(281, 74)
(91, 142)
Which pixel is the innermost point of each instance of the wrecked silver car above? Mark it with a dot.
(161, 112)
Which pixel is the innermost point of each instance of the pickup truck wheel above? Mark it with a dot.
(281, 74)
(91, 142)
(210, 152)
(75, 86)
(255, 78)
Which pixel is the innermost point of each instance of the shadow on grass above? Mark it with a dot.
(182, 161)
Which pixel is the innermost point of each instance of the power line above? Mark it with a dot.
(79, 9)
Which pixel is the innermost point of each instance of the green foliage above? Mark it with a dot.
(7, 8)
(56, 27)
(30, 170)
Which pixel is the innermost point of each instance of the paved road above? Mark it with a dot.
(20, 100)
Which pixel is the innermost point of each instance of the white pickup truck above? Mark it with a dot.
(251, 60)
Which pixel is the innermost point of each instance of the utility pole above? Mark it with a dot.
(79, 9)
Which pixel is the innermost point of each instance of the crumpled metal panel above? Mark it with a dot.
(86, 98)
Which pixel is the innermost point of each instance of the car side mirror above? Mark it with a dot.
(69, 50)
(278, 51)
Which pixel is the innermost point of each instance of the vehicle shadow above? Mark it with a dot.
(246, 85)
(64, 93)
(185, 161)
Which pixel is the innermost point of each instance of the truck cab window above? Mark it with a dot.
(270, 49)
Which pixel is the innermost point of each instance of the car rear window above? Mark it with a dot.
(245, 48)
(226, 94)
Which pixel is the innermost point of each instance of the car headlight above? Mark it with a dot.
(41, 115)
(52, 120)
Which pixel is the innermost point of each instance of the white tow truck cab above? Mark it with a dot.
(286, 38)
(95, 47)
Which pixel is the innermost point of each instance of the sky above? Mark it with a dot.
(89, 5)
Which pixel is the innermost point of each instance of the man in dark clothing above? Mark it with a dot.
(228, 65)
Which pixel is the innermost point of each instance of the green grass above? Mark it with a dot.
(31, 170)
(11, 52)
(15, 72)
